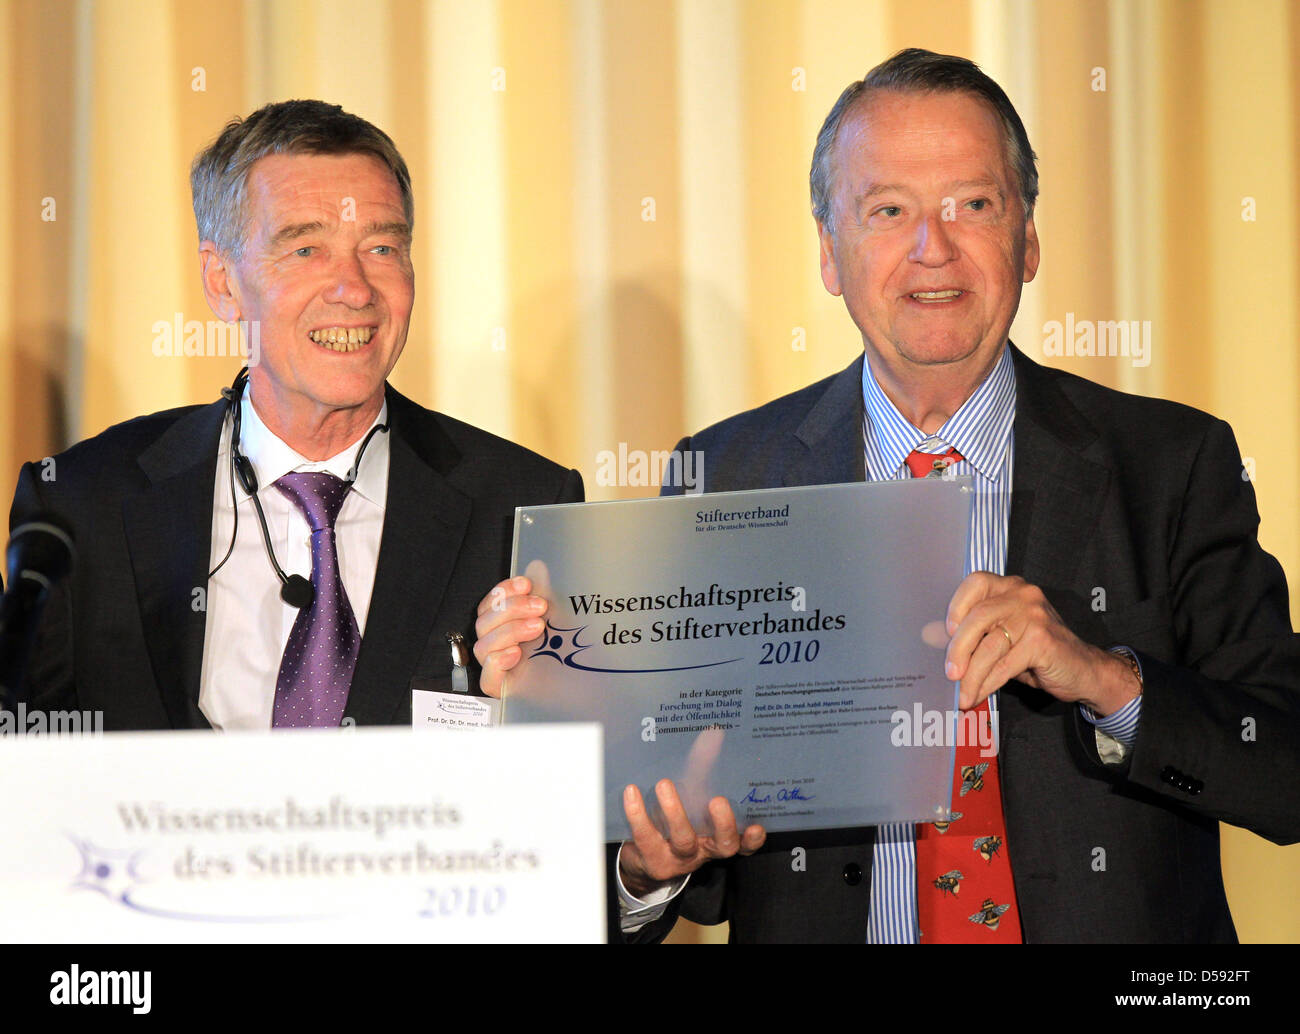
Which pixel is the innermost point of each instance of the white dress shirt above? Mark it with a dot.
(248, 624)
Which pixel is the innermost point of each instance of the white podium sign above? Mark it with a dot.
(371, 835)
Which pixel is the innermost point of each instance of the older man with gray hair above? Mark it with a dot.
(1121, 745)
(312, 518)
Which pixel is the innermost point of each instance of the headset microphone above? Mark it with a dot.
(295, 590)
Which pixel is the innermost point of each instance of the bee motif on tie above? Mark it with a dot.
(942, 827)
(987, 847)
(950, 882)
(989, 914)
(972, 777)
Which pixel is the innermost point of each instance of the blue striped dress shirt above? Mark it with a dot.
(982, 432)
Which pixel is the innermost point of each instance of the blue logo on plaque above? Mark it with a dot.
(562, 645)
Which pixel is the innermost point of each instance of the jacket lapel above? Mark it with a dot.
(831, 436)
(1056, 492)
(171, 566)
(425, 520)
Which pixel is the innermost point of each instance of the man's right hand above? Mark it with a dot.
(510, 615)
(507, 616)
(650, 859)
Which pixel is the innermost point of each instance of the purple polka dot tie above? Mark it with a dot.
(316, 670)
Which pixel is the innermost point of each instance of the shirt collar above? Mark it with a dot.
(979, 430)
(272, 458)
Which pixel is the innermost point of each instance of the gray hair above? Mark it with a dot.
(219, 174)
(923, 71)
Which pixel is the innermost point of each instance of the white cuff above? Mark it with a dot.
(634, 912)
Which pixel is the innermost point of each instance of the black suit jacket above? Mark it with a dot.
(1145, 500)
(125, 633)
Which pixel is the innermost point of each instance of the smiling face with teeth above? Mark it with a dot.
(326, 269)
(930, 244)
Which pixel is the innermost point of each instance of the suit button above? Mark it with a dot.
(853, 874)
(1196, 787)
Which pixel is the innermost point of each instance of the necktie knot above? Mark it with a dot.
(932, 464)
(317, 493)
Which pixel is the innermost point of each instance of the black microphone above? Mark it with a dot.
(297, 592)
(40, 553)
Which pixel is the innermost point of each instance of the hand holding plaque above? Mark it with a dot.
(510, 616)
(652, 858)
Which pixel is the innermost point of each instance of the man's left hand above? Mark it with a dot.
(1003, 628)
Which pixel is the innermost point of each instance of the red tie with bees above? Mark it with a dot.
(964, 892)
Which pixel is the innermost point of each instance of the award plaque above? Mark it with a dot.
(781, 648)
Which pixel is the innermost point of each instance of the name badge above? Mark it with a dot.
(456, 710)
(431, 710)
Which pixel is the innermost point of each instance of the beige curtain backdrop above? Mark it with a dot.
(613, 242)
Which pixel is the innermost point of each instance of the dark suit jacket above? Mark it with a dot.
(124, 634)
(1144, 499)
